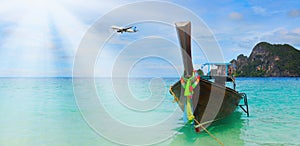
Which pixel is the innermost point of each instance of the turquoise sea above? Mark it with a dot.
(43, 111)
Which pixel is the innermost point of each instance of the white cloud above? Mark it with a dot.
(279, 35)
(265, 12)
(294, 13)
(259, 10)
(296, 31)
(235, 16)
(243, 43)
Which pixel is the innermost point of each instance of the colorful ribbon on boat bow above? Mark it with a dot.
(189, 84)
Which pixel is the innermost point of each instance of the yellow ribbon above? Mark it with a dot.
(189, 110)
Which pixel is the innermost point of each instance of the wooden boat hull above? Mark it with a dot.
(211, 101)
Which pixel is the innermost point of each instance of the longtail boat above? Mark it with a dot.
(212, 99)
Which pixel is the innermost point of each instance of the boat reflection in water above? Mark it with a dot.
(229, 130)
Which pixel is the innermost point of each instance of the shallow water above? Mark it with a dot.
(43, 111)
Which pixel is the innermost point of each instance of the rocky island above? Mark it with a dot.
(269, 60)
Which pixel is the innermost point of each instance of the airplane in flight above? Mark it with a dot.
(119, 29)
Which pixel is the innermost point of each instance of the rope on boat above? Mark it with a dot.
(210, 134)
(176, 99)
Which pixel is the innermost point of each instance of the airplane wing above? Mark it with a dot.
(117, 27)
(128, 27)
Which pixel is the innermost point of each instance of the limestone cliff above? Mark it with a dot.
(266, 60)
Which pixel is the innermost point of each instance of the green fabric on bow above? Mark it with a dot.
(188, 85)
(187, 91)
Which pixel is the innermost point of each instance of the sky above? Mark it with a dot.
(39, 38)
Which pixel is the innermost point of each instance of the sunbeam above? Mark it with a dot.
(30, 48)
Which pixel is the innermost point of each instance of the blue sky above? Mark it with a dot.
(40, 37)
